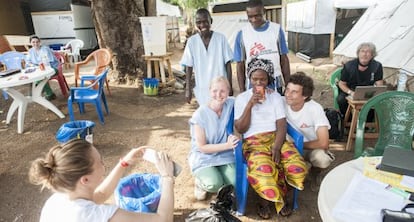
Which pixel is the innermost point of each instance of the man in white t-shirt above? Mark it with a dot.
(309, 118)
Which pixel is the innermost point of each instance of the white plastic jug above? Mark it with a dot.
(402, 81)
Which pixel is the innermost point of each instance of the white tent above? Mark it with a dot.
(229, 25)
(389, 25)
(312, 24)
(164, 8)
(353, 4)
(318, 16)
(311, 16)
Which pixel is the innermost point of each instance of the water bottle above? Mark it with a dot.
(402, 81)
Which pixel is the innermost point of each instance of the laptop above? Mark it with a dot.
(398, 160)
(367, 92)
(9, 72)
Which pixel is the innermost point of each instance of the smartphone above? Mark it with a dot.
(150, 154)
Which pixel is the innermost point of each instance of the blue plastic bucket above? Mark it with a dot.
(151, 86)
(139, 193)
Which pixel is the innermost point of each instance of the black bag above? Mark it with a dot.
(398, 216)
(220, 209)
(335, 120)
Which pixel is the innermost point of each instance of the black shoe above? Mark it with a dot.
(51, 97)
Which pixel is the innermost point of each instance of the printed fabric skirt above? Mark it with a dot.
(270, 180)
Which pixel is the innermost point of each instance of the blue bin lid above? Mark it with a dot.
(73, 129)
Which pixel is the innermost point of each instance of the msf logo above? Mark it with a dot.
(256, 49)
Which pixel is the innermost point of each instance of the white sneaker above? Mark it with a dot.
(199, 193)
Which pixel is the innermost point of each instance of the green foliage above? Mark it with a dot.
(196, 4)
(189, 4)
(173, 2)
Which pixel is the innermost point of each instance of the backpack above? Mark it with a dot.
(335, 120)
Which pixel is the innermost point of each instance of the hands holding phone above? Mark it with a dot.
(158, 158)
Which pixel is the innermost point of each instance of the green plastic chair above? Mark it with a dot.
(395, 112)
(334, 84)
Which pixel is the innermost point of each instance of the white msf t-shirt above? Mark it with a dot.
(308, 119)
(60, 208)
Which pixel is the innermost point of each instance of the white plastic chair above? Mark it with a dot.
(74, 46)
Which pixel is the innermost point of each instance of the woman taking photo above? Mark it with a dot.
(75, 172)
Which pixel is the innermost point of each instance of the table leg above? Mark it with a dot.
(352, 127)
(157, 68)
(67, 62)
(149, 69)
(170, 73)
(19, 103)
(347, 115)
(38, 98)
(162, 71)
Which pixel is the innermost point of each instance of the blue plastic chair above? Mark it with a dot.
(88, 94)
(242, 184)
(12, 60)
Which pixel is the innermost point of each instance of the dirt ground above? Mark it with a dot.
(134, 120)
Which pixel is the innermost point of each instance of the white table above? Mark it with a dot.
(20, 101)
(334, 185)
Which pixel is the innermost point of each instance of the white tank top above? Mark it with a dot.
(263, 45)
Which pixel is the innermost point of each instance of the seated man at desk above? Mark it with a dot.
(362, 71)
(309, 118)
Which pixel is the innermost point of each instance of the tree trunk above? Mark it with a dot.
(151, 7)
(118, 29)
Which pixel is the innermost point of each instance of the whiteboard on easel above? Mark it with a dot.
(53, 24)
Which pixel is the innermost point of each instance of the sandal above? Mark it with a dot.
(286, 211)
(263, 211)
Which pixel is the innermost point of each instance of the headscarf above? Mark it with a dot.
(263, 64)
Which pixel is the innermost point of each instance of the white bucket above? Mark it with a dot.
(154, 35)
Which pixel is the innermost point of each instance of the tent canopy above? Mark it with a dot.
(389, 25)
(311, 17)
(353, 4)
(164, 8)
(319, 16)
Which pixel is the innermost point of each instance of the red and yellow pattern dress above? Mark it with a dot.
(270, 180)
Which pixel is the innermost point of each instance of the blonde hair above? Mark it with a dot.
(218, 79)
(62, 166)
